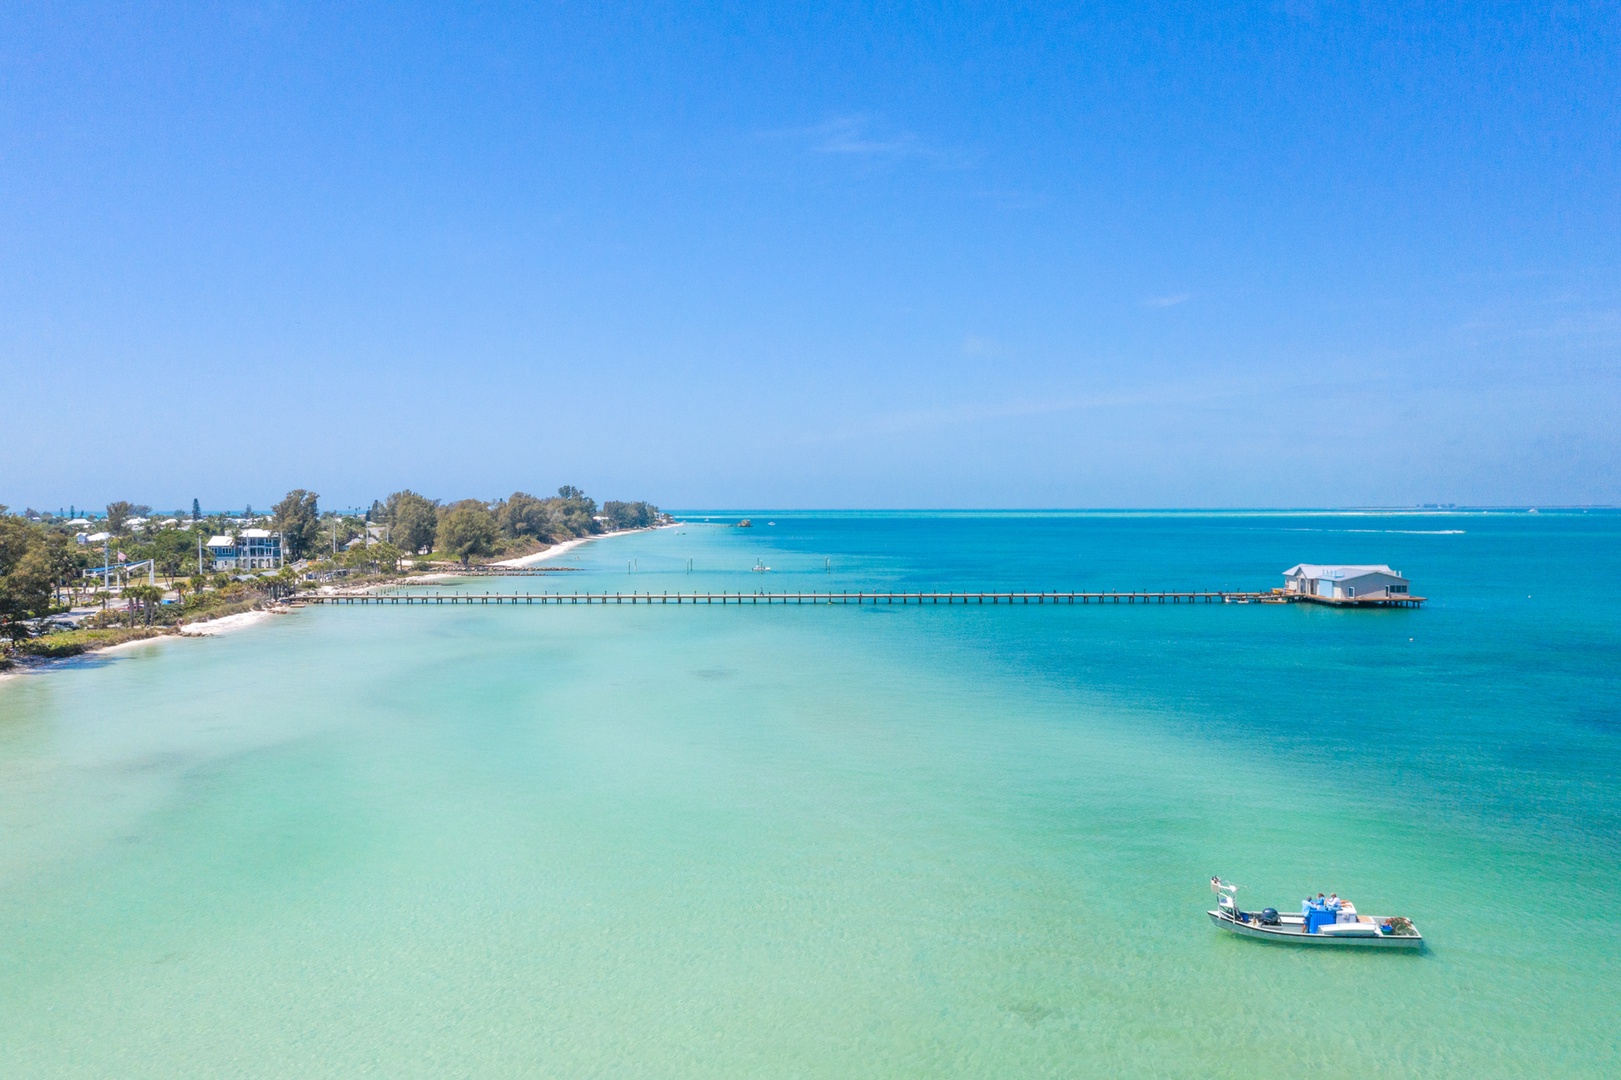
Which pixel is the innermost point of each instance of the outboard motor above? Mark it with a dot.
(1269, 917)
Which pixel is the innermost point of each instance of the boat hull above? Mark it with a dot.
(1295, 934)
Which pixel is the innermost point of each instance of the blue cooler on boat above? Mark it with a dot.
(1319, 917)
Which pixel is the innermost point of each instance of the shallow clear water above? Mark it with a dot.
(830, 841)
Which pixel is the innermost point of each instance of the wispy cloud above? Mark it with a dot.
(1597, 325)
(861, 137)
(974, 345)
(1166, 301)
(907, 421)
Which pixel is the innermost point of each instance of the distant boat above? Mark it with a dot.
(1316, 925)
(745, 524)
(759, 566)
(771, 523)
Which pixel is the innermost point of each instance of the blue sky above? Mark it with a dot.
(1114, 255)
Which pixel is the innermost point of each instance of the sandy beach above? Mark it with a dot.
(569, 545)
(228, 623)
(550, 553)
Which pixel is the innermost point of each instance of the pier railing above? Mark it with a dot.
(902, 598)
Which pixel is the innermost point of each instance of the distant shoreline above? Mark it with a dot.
(569, 545)
(223, 624)
(242, 620)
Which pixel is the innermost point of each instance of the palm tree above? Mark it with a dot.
(148, 596)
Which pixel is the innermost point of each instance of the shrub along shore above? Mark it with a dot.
(51, 608)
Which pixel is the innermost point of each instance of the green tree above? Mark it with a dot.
(27, 575)
(59, 560)
(630, 515)
(118, 513)
(413, 521)
(574, 512)
(283, 582)
(170, 549)
(467, 529)
(146, 599)
(524, 517)
(298, 519)
(386, 556)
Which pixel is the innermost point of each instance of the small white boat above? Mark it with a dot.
(760, 567)
(1342, 926)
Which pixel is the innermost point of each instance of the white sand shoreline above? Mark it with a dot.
(569, 545)
(225, 624)
(242, 620)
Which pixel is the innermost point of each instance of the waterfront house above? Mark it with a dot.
(1345, 582)
(250, 549)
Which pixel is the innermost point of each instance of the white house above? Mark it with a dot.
(251, 549)
(1345, 582)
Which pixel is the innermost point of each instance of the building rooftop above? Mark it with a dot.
(1338, 572)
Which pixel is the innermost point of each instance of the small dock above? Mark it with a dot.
(859, 598)
(1360, 601)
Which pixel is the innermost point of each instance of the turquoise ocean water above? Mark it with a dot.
(841, 842)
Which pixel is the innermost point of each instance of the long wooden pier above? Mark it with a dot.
(902, 598)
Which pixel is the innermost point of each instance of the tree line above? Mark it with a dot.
(39, 558)
(414, 524)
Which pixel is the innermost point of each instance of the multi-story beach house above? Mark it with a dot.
(250, 549)
(1345, 582)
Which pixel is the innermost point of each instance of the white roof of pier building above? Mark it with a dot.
(1337, 573)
